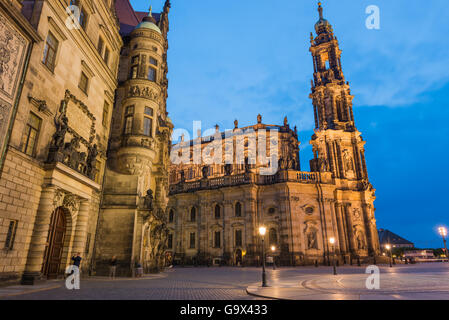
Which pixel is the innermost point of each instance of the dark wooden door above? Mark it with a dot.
(55, 244)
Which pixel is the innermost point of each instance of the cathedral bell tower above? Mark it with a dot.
(337, 145)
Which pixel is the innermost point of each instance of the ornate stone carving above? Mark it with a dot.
(12, 51)
(143, 92)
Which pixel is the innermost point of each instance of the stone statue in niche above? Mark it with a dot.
(205, 171)
(148, 201)
(183, 176)
(348, 161)
(312, 239)
(228, 169)
(62, 125)
(360, 241)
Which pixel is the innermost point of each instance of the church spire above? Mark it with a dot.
(320, 10)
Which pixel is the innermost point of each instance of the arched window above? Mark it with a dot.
(217, 211)
(238, 209)
(273, 236)
(171, 216)
(193, 214)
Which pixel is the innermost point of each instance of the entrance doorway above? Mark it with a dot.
(55, 244)
(238, 257)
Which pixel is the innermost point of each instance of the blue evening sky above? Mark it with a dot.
(234, 59)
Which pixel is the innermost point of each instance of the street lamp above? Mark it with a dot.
(388, 247)
(273, 249)
(332, 242)
(443, 234)
(262, 231)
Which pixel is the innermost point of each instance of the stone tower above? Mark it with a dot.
(135, 195)
(337, 144)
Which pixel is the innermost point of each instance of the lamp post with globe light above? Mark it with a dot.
(443, 234)
(262, 231)
(332, 242)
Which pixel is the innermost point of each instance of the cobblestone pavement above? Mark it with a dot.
(174, 284)
(401, 281)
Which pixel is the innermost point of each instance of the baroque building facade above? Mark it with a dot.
(215, 210)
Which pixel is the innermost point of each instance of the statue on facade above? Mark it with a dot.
(71, 155)
(148, 201)
(183, 176)
(62, 125)
(360, 242)
(91, 161)
(312, 240)
(228, 169)
(259, 118)
(205, 172)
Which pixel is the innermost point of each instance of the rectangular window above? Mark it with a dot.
(170, 241)
(100, 46)
(50, 49)
(153, 61)
(83, 19)
(149, 111)
(192, 240)
(129, 110)
(217, 239)
(147, 126)
(105, 114)
(128, 125)
(134, 72)
(84, 82)
(238, 238)
(106, 55)
(152, 74)
(31, 134)
(11, 235)
(135, 60)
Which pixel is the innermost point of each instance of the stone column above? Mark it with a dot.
(79, 239)
(368, 230)
(38, 242)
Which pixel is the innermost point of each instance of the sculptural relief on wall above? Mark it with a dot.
(12, 52)
(5, 110)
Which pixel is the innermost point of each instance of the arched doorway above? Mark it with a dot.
(55, 244)
(238, 257)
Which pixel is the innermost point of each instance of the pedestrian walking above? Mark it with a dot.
(112, 267)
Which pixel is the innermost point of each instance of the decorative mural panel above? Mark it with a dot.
(12, 53)
(13, 48)
(5, 111)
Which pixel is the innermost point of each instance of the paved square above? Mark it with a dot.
(421, 281)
